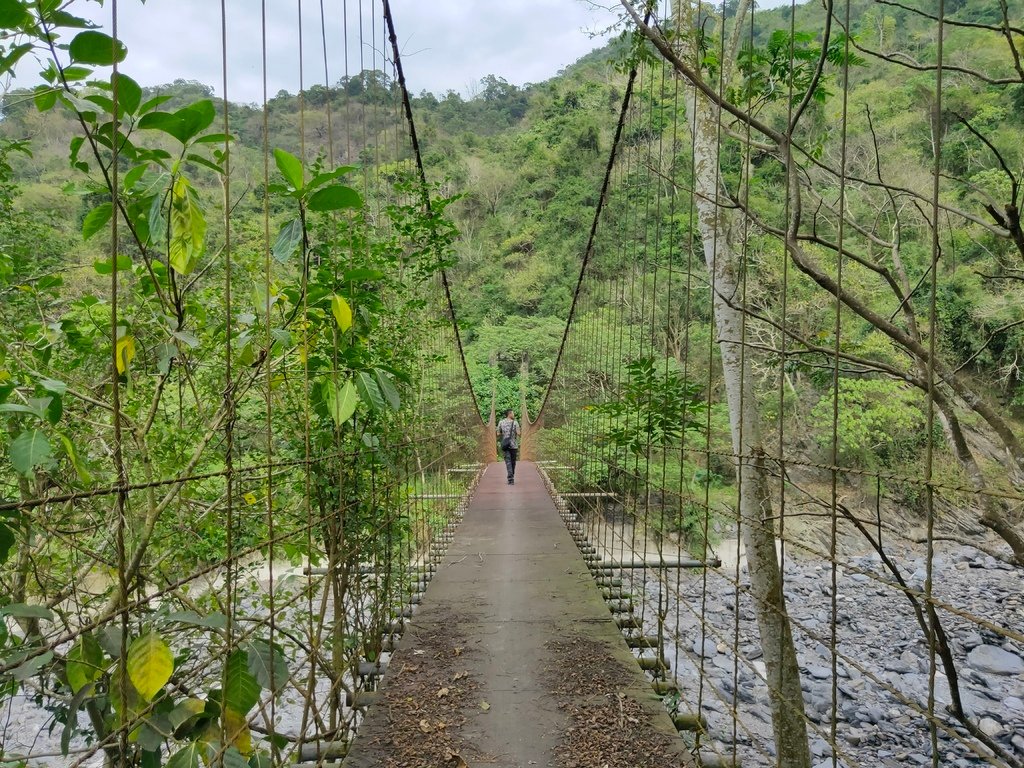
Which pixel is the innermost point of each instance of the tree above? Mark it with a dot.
(720, 232)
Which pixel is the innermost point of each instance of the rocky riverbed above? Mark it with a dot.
(879, 698)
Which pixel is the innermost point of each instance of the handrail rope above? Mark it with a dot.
(425, 193)
(589, 251)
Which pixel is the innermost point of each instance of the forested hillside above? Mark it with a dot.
(226, 345)
(525, 165)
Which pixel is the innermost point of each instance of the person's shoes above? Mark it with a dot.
(511, 481)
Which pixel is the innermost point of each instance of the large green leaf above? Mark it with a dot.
(334, 198)
(287, 240)
(92, 47)
(241, 688)
(12, 57)
(290, 167)
(267, 664)
(188, 228)
(185, 124)
(12, 14)
(234, 759)
(369, 392)
(189, 757)
(96, 219)
(150, 664)
(387, 388)
(342, 312)
(85, 663)
(25, 611)
(129, 93)
(341, 401)
(29, 450)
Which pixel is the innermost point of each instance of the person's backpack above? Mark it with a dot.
(507, 432)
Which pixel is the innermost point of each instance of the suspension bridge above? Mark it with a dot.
(276, 532)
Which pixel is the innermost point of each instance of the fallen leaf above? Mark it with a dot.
(442, 693)
(458, 676)
(425, 726)
(458, 651)
(484, 706)
(458, 761)
(418, 652)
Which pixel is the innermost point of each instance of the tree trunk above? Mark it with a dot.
(755, 513)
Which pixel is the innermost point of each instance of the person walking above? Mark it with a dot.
(508, 433)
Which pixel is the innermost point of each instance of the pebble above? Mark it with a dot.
(877, 631)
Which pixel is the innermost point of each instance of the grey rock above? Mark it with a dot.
(995, 660)
(819, 673)
(708, 648)
(990, 727)
(1014, 703)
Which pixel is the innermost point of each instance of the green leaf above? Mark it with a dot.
(13, 57)
(59, 18)
(387, 388)
(192, 157)
(213, 621)
(85, 663)
(134, 176)
(55, 386)
(25, 611)
(31, 667)
(215, 138)
(55, 409)
(241, 689)
(189, 757)
(123, 262)
(341, 402)
(12, 14)
(71, 74)
(267, 664)
(30, 449)
(322, 178)
(150, 664)
(369, 392)
(290, 167)
(92, 47)
(7, 542)
(185, 124)
(19, 408)
(288, 240)
(80, 469)
(234, 759)
(96, 219)
(342, 312)
(362, 275)
(334, 198)
(129, 94)
(45, 97)
(188, 228)
(261, 760)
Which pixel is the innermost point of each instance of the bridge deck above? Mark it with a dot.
(513, 659)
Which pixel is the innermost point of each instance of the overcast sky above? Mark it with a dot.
(445, 44)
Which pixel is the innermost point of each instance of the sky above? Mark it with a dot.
(445, 44)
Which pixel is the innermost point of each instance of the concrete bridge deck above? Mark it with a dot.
(513, 658)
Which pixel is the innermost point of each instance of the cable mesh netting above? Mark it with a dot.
(240, 437)
(810, 538)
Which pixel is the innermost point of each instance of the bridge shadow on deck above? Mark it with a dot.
(513, 658)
